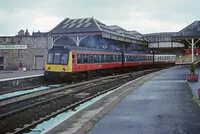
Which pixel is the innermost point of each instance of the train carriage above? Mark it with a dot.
(133, 58)
(76, 61)
(65, 61)
(164, 59)
(96, 60)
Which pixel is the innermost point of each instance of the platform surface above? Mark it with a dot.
(7, 75)
(162, 105)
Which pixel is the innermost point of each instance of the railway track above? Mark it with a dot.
(25, 91)
(20, 113)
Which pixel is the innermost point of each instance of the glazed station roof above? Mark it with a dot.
(91, 26)
(191, 31)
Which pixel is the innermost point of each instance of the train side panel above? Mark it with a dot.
(92, 64)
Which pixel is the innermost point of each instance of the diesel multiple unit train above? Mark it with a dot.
(76, 61)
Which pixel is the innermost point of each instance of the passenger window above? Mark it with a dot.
(78, 59)
(108, 58)
(100, 59)
(82, 58)
(133, 57)
(105, 58)
(95, 58)
(86, 58)
(114, 58)
(89, 58)
(136, 58)
(64, 58)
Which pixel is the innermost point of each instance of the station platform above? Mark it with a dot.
(10, 75)
(161, 103)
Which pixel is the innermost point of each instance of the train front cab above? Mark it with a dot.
(58, 64)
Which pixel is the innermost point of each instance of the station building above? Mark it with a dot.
(25, 49)
(89, 32)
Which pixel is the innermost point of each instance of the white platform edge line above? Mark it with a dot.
(23, 77)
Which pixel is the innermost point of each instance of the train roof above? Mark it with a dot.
(69, 48)
(165, 54)
(134, 52)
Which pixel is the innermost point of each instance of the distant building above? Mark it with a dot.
(39, 34)
(29, 50)
(26, 33)
(21, 33)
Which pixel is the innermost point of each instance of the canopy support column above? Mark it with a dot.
(192, 44)
(76, 39)
(192, 50)
(79, 39)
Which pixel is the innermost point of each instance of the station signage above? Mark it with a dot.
(3, 47)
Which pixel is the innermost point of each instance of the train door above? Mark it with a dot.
(91, 61)
(122, 58)
(73, 61)
(1, 63)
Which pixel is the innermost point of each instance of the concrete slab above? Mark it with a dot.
(11, 81)
(9, 75)
(161, 105)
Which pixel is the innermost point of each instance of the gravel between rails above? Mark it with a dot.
(39, 93)
(23, 103)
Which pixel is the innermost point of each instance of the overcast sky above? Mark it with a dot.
(145, 16)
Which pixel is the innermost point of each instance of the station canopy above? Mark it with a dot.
(91, 27)
(190, 36)
(191, 32)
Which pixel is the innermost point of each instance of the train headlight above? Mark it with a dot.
(63, 69)
(49, 68)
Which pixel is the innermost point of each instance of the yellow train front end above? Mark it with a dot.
(58, 63)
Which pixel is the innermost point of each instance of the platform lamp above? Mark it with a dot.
(152, 52)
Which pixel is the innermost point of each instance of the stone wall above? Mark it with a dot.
(36, 46)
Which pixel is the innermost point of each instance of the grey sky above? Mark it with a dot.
(145, 16)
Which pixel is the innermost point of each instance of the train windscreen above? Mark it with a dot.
(57, 58)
